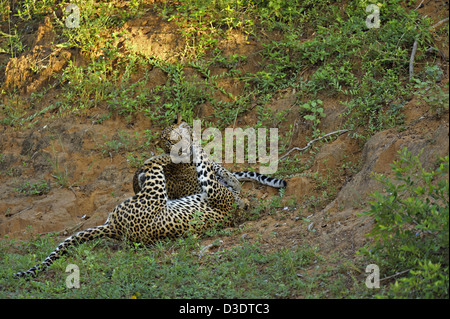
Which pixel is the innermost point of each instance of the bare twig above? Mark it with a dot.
(339, 132)
(419, 5)
(71, 230)
(20, 212)
(437, 24)
(411, 61)
(396, 274)
(207, 247)
(73, 191)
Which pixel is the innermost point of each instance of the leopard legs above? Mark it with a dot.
(219, 196)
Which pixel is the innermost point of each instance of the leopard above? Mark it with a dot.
(181, 178)
(150, 216)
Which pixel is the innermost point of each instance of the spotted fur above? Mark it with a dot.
(181, 179)
(263, 179)
(150, 216)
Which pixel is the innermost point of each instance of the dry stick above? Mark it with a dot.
(413, 53)
(20, 212)
(419, 5)
(411, 61)
(396, 274)
(437, 24)
(311, 142)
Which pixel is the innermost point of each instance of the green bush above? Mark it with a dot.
(428, 281)
(411, 233)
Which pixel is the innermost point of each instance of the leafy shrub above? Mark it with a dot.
(314, 110)
(411, 230)
(428, 281)
(39, 188)
(430, 92)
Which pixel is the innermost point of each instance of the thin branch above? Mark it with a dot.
(419, 6)
(339, 132)
(20, 212)
(437, 24)
(396, 274)
(411, 61)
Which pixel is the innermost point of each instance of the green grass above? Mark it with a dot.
(366, 70)
(322, 50)
(174, 269)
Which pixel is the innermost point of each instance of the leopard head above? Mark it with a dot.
(179, 133)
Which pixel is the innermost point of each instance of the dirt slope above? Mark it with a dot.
(86, 184)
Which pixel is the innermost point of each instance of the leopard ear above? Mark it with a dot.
(179, 119)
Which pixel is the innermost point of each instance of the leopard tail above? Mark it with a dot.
(80, 237)
(262, 179)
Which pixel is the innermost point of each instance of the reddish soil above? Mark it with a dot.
(97, 183)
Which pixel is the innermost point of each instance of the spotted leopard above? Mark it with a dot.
(150, 216)
(181, 178)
